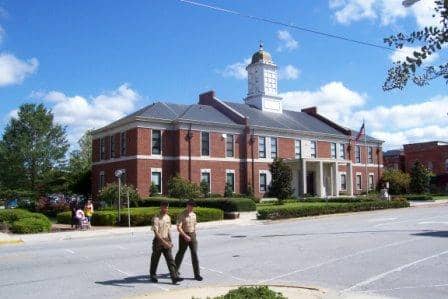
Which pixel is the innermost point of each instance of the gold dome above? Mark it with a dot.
(261, 55)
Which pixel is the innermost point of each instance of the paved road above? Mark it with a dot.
(395, 253)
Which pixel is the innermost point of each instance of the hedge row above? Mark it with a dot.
(314, 209)
(141, 216)
(419, 197)
(224, 204)
(24, 222)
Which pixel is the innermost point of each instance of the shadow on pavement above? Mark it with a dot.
(128, 281)
(347, 233)
(440, 234)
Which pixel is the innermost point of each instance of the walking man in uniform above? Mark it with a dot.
(162, 244)
(186, 225)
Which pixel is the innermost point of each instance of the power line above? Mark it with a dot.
(290, 25)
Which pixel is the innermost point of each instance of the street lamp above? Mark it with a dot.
(118, 174)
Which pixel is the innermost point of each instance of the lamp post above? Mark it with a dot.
(118, 174)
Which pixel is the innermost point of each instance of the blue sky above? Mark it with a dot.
(95, 61)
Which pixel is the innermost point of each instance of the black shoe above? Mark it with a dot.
(153, 279)
(198, 278)
(176, 280)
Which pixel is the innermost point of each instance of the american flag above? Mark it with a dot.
(362, 131)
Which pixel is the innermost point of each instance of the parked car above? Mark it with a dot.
(11, 203)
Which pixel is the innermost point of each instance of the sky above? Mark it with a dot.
(93, 62)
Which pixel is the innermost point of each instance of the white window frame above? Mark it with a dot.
(370, 157)
(209, 143)
(315, 149)
(265, 147)
(233, 146)
(356, 181)
(102, 148)
(210, 176)
(270, 147)
(295, 148)
(342, 173)
(234, 178)
(335, 145)
(159, 170)
(161, 142)
(102, 182)
(268, 180)
(360, 156)
(371, 174)
(342, 149)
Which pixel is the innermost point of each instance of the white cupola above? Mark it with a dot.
(262, 83)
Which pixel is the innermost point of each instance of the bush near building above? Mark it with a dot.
(24, 222)
(420, 178)
(224, 204)
(109, 195)
(181, 188)
(399, 181)
(141, 216)
(294, 210)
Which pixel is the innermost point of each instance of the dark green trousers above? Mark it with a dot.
(183, 245)
(157, 250)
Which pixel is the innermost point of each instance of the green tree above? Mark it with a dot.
(32, 146)
(399, 181)
(228, 191)
(281, 180)
(109, 195)
(181, 188)
(430, 40)
(80, 166)
(153, 189)
(205, 188)
(420, 178)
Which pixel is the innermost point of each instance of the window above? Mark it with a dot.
(123, 144)
(101, 181)
(229, 145)
(205, 143)
(273, 147)
(263, 182)
(313, 149)
(261, 147)
(230, 180)
(156, 179)
(358, 154)
(446, 165)
(112, 146)
(343, 181)
(205, 176)
(358, 182)
(156, 142)
(333, 150)
(298, 149)
(123, 177)
(102, 149)
(342, 151)
(371, 184)
(370, 154)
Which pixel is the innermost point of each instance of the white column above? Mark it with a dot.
(320, 180)
(304, 177)
(350, 179)
(337, 179)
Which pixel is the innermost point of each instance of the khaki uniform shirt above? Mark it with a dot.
(188, 221)
(162, 224)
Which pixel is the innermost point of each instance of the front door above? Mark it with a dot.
(310, 183)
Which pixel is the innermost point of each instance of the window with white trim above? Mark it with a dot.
(343, 181)
(370, 154)
(123, 144)
(205, 177)
(156, 179)
(205, 143)
(230, 180)
(102, 181)
(263, 182)
(358, 182)
(342, 151)
(102, 149)
(333, 150)
(273, 147)
(371, 183)
(229, 145)
(357, 154)
(156, 142)
(313, 149)
(112, 146)
(261, 147)
(297, 149)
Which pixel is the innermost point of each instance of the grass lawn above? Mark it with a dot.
(440, 197)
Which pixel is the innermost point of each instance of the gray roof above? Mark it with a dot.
(395, 152)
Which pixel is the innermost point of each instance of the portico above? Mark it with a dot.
(320, 177)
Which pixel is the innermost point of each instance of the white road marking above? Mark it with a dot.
(381, 219)
(70, 251)
(338, 259)
(116, 269)
(406, 287)
(398, 269)
(120, 247)
(433, 222)
(220, 272)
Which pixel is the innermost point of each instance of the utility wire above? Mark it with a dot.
(290, 25)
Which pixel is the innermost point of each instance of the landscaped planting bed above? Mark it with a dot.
(304, 209)
(224, 204)
(141, 216)
(24, 222)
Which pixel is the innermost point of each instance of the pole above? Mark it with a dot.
(129, 211)
(119, 198)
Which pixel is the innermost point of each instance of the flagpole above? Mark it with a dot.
(367, 157)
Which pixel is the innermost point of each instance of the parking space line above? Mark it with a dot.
(405, 288)
(398, 269)
(70, 251)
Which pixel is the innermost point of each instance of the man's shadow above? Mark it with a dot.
(129, 281)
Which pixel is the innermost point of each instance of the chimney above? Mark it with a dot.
(207, 98)
(310, 110)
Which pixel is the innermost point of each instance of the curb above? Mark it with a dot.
(9, 242)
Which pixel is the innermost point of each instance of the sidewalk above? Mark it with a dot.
(246, 218)
(420, 203)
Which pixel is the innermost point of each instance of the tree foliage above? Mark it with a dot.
(399, 181)
(80, 166)
(109, 195)
(430, 40)
(420, 178)
(33, 147)
(181, 188)
(281, 180)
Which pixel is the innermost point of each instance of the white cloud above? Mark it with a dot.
(396, 124)
(289, 72)
(14, 70)
(79, 113)
(236, 70)
(388, 11)
(401, 54)
(287, 42)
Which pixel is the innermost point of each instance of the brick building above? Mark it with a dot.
(226, 142)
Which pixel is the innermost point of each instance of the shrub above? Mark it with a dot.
(335, 199)
(181, 188)
(421, 197)
(420, 178)
(31, 226)
(154, 189)
(109, 195)
(46, 206)
(205, 188)
(228, 191)
(281, 180)
(142, 216)
(10, 216)
(261, 292)
(317, 208)
(398, 181)
(224, 204)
